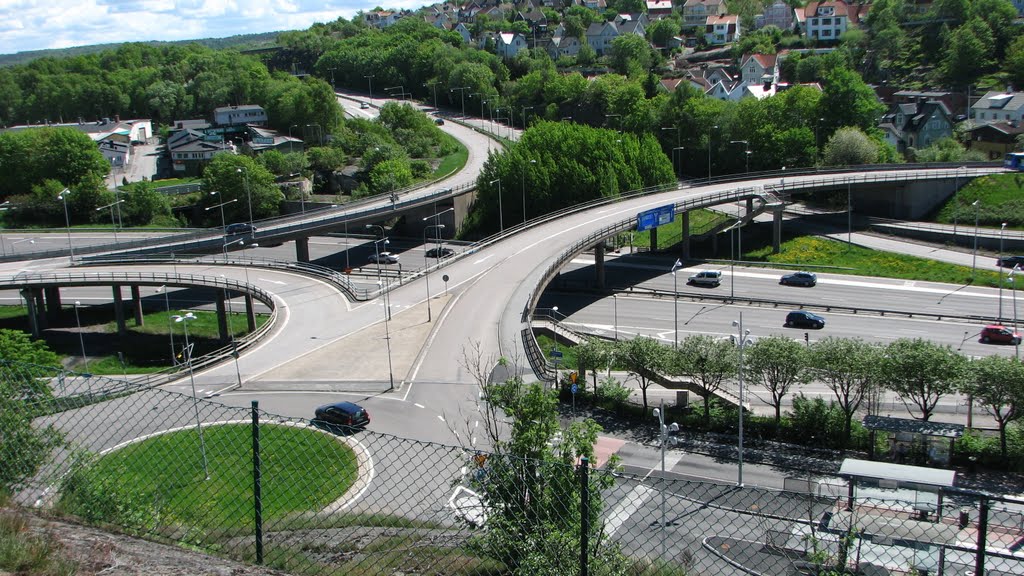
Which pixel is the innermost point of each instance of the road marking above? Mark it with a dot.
(625, 508)
(440, 417)
(272, 281)
(482, 259)
(472, 441)
(418, 405)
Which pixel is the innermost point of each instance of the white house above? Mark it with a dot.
(759, 69)
(696, 12)
(508, 44)
(240, 115)
(380, 18)
(998, 107)
(828, 20)
(722, 29)
(467, 37)
(563, 46)
(778, 14)
(600, 36)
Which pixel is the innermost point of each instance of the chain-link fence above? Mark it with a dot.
(310, 498)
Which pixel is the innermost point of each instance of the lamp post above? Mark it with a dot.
(525, 108)
(501, 216)
(434, 86)
(742, 344)
(675, 300)
(170, 323)
(746, 150)
(679, 150)
(245, 183)
(387, 311)
(678, 147)
(664, 432)
(332, 79)
(956, 199)
(290, 129)
(401, 91)
(81, 339)
(319, 132)
(426, 275)
(1002, 227)
(112, 221)
(63, 196)
(369, 78)
(974, 257)
(709, 151)
(532, 161)
(184, 320)
(615, 314)
(223, 224)
(1013, 292)
(462, 94)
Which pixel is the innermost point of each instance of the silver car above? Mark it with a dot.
(711, 278)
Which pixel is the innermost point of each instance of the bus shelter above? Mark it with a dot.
(915, 441)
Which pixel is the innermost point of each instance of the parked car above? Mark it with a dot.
(383, 258)
(999, 334)
(1010, 261)
(804, 319)
(239, 228)
(711, 278)
(799, 279)
(343, 414)
(439, 252)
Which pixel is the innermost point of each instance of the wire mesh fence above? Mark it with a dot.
(310, 498)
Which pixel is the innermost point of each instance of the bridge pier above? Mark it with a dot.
(250, 313)
(302, 249)
(29, 294)
(750, 207)
(137, 305)
(222, 316)
(599, 264)
(686, 234)
(119, 309)
(52, 302)
(777, 229)
(654, 239)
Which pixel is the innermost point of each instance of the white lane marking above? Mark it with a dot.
(418, 405)
(272, 281)
(625, 508)
(440, 417)
(482, 259)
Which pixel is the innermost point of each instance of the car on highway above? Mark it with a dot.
(239, 228)
(999, 334)
(440, 252)
(439, 121)
(1010, 261)
(799, 279)
(347, 414)
(383, 258)
(711, 278)
(364, 105)
(804, 319)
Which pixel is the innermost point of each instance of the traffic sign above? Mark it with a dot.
(655, 217)
(574, 388)
(555, 353)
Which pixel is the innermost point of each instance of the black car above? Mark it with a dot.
(343, 414)
(799, 279)
(239, 228)
(804, 319)
(1010, 261)
(441, 252)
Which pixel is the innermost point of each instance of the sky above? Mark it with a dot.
(41, 24)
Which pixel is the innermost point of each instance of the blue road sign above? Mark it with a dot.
(555, 353)
(574, 388)
(655, 217)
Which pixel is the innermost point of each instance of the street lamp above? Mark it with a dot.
(319, 132)
(112, 221)
(462, 94)
(81, 339)
(709, 151)
(1013, 292)
(746, 150)
(524, 187)
(679, 150)
(1002, 227)
(170, 325)
(290, 129)
(974, 258)
(369, 78)
(401, 91)
(675, 299)
(743, 341)
(678, 147)
(223, 224)
(501, 216)
(434, 86)
(664, 432)
(63, 196)
(184, 320)
(426, 275)
(525, 108)
(384, 293)
(245, 183)
(956, 199)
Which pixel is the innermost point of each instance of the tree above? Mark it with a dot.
(630, 54)
(326, 158)
(847, 366)
(778, 363)
(707, 361)
(921, 372)
(846, 100)
(390, 175)
(143, 204)
(593, 354)
(1014, 62)
(849, 147)
(967, 53)
(997, 382)
(644, 358)
(24, 390)
(243, 179)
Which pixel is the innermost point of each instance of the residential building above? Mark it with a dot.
(659, 8)
(247, 114)
(956, 102)
(995, 139)
(778, 14)
(826, 21)
(113, 137)
(463, 31)
(759, 69)
(1019, 5)
(722, 29)
(696, 12)
(191, 150)
(380, 18)
(507, 44)
(260, 140)
(563, 46)
(998, 107)
(917, 124)
(600, 36)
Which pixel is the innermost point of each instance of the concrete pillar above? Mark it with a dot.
(599, 264)
(37, 294)
(686, 235)
(137, 305)
(302, 249)
(119, 309)
(714, 244)
(53, 302)
(776, 230)
(654, 239)
(222, 316)
(750, 207)
(33, 319)
(250, 313)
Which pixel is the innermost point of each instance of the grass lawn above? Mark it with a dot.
(1000, 199)
(452, 162)
(855, 260)
(701, 220)
(159, 484)
(568, 359)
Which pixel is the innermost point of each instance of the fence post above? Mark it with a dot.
(584, 470)
(257, 487)
(979, 558)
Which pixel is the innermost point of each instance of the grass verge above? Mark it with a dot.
(1000, 199)
(701, 220)
(453, 162)
(27, 551)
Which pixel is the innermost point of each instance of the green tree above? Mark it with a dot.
(143, 205)
(777, 363)
(846, 100)
(390, 175)
(708, 362)
(593, 355)
(662, 31)
(967, 53)
(24, 390)
(67, 155)
(644, 358)
(997, 383)
(849, 147)
(630, 55)
(243, 179)
(326, 158)
(921, 372)
(848, 367)
(1014, 62)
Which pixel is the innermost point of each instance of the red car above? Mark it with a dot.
(999, 334)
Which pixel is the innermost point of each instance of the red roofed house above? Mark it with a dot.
(722, 29)
(659, 8)
(759, 69)
(827, 21)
